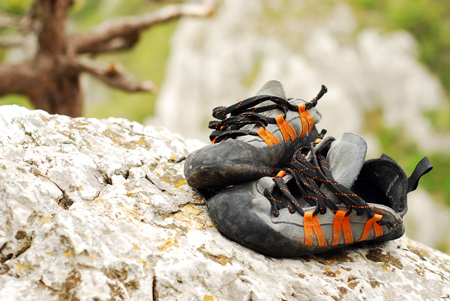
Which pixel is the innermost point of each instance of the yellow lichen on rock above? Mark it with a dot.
(192, 217)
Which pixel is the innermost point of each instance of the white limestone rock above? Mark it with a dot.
(99, 210)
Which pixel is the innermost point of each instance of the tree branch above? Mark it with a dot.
(12, 41)
(8, 20)
(166, 1)
(113, 44)
(23, 23)
(24, 26)
(115, 75)
(122, 33)
(17, 79)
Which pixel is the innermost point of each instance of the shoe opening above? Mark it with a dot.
(383, 181)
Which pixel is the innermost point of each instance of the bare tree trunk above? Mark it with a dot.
(55, 62)
(50, 84)
(57, 85)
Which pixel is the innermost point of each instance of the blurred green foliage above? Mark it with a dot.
(15, 7)
(146, 60)
(17, 99)
(429, 22)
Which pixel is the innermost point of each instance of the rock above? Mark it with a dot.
(99, 210)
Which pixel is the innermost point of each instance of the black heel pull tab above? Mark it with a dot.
(384, 156)
(423, 167)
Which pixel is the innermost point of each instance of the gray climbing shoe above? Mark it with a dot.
(328, 198)
(253, 138)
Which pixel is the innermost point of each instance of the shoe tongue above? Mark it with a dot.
(272, 88)
(346, 157)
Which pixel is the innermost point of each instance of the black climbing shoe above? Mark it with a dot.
(253, 138)
(328, 197)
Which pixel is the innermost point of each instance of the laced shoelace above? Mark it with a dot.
(309, 175)
(233, 118)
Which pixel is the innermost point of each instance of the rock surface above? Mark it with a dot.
(99, 210)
